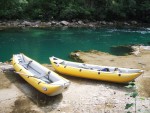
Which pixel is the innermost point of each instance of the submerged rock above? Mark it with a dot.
(122, 50)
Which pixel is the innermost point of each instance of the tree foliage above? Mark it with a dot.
(76, 9)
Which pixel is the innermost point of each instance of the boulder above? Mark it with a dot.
(26, 23)
(49, 23)
(91, 25)
(36, 25)
(65, 23)
(75, 56)
(125, 23)
(80, 22)
(53, 23)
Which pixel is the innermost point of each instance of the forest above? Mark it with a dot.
(92, 10)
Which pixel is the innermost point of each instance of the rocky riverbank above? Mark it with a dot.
(73, 23)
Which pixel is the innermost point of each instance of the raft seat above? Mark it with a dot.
(39, 75)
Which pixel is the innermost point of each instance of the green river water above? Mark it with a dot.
(40, 44)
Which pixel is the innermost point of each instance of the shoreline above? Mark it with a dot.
(80, 23)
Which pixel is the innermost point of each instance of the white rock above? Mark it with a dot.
(77, 54)
(64, 23)
(53, 23)
(80, 22)
(26, 23)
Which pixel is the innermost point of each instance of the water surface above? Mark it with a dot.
(40, 44)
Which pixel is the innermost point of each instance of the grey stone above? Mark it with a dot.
(80, 22)
(26, 23)
(49, 23)
(91, 25)
(64, 23)
(53, 23)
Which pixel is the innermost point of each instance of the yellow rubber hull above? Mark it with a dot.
(90, 74)
(41, 86)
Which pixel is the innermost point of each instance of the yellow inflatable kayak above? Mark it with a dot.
(106, 73)
(43, 79)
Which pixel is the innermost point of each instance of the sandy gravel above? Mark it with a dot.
(83, 95)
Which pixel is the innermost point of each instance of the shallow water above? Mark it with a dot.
(40, 44)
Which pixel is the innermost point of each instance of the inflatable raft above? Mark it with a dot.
(43, 79)
(105, 73)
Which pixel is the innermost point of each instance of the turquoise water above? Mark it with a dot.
(40, 44)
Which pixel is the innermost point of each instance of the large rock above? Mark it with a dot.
(26, 23)
(80, 22)
(65, 23)
(76, 56)
(53, 23)
(91, 25)
(49, 23)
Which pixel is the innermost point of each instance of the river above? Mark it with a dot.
(41, 43)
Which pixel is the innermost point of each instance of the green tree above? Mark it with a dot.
(12, 9)
(143, 10)
(76, 9)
